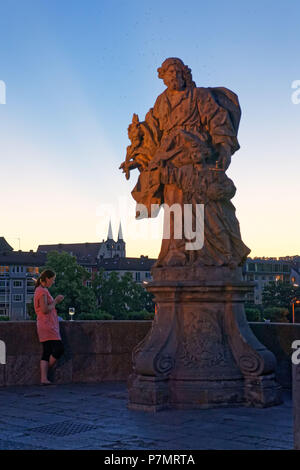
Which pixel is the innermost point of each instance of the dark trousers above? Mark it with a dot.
(53, 348)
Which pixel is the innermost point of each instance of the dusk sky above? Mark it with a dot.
(76, 71)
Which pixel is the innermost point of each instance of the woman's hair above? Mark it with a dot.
(46, 274)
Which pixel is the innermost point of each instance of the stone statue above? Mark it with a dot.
(200, 351)
(182, 151)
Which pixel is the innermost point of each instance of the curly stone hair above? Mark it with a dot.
(186, 71)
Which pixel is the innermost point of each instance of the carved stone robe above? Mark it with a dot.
(184, 132)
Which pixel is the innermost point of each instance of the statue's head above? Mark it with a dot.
(175, 74)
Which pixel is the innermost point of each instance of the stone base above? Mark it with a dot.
(200, 351)
(262, 392)
(185, 394)
(148, 393)
(153, 394)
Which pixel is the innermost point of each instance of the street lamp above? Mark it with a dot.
(294, 301)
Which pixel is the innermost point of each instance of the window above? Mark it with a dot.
(88, 284)
(17, 269)
(265, 267)
(30, 286)
(32, 270)
(148, 275)
(18, 298)
(4, 269)
(137, 276)
(251, 267)
(18, 284)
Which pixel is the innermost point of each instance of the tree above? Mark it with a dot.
(279, 294)
(111, 296)
(253, 314)
(99, 315)
(276, 314)
(70, 278)
(120, 295)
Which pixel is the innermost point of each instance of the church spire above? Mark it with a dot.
(110, 234)
(120, 234)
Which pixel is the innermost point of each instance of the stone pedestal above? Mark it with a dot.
(200, 351)
(296, 405)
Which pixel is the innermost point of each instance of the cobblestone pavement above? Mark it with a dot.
(95, 416)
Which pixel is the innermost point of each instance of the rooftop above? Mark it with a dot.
(80, 250)
(136, 264)
(95, 416)
(29, 258)
(4, 246)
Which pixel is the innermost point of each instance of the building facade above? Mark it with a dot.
(262, 271)
(17, 272)
(109, 255)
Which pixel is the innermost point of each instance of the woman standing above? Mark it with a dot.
(47, 323)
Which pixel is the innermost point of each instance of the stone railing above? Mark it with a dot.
(99, 351)
(278, 338)
(95, 351)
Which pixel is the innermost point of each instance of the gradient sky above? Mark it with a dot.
(76, 71)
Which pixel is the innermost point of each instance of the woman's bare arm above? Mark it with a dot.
(45, 307)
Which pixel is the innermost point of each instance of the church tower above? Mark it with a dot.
(121, 246)
(110, 248)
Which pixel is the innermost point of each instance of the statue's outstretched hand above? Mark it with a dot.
(126, 169)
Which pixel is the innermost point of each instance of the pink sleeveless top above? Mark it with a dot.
(47, 323)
